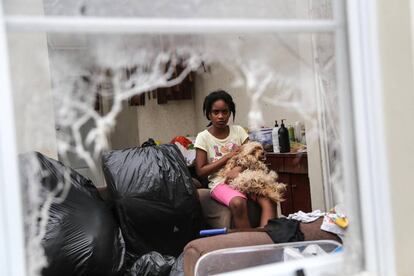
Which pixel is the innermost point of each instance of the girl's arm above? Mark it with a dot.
(204, 169)
(233, 173)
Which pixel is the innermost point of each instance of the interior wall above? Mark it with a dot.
(164, 122)
(125, 134)
(396, 59)
(219, 77)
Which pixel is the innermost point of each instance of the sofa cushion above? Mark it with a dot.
(215, 214)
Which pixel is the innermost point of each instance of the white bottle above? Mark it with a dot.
(275, 138)
(298, 131)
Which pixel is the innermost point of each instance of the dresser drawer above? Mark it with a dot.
(275, 163)
(288, 162)
(292, 169)
(296, 164)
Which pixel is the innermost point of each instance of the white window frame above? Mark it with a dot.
(12, 257)
(357, 54)
(374, 183)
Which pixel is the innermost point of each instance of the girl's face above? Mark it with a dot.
(220, 114)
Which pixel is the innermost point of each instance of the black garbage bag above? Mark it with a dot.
(152, 264)
(154, 197)
(149, 143)
(82, 236)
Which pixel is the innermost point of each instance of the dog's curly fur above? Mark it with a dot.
(256, 178)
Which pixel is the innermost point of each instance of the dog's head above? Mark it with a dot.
(253, 148)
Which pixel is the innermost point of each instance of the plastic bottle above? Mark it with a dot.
(298, 131)
(303, 134)
(284, 143)
(275, 138)
(291, 131)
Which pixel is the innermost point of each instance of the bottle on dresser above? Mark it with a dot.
(275, 138)
(284, 143)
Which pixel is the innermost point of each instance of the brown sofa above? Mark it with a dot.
(197, 248)
(217, 215)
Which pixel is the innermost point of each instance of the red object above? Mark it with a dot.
(182, 140)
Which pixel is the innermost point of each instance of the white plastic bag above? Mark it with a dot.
(291, 253)
(313, 250)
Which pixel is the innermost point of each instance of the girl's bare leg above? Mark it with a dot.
(238, 208)
(269, 210)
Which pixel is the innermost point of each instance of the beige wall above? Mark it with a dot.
(164, 122)
(397, 74)
(219, 77)
(125, 134)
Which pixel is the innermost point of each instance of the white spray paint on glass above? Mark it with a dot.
(103, 64)
(257, 63)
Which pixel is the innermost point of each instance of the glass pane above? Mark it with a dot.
(282, 9)
(78, 97)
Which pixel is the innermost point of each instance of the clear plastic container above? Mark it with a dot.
(225, 260)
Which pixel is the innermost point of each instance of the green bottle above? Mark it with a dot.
(291, 131)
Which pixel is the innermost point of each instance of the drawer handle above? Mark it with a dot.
(294, 186)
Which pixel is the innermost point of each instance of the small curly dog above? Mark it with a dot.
(255, 178)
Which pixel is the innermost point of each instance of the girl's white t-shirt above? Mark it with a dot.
(217, 148)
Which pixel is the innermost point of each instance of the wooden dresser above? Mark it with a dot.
(292, 169)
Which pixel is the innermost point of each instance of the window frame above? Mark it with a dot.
(374, 183)
(357, 68)
(12, 252)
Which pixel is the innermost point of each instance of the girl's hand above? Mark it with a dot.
(232, 174)
(233, 153)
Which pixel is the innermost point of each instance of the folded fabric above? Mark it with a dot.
(306, 217)
(329, 225)
(284, 230)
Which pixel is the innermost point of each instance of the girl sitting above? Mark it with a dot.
(214, 147)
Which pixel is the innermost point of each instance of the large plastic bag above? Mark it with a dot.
(82, 236)
(151, 264)
(154, 197)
